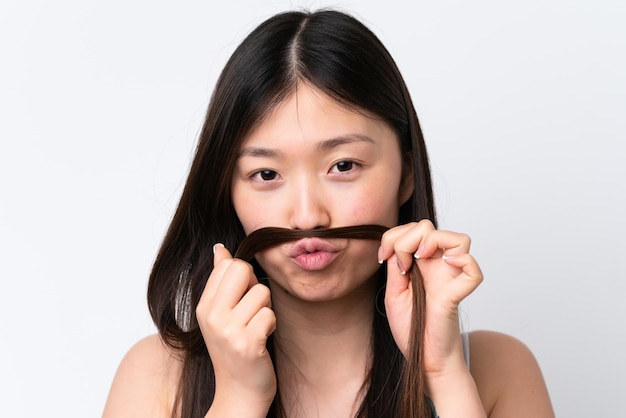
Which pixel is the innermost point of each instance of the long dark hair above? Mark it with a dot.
(341, 57)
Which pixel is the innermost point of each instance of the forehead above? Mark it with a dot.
(309, 114)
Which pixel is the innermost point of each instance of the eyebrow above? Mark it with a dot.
(341, 140)
(326, 145)
(258, 152)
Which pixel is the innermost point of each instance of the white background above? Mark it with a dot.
(523, 105)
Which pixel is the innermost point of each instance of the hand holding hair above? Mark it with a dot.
(449, 274)
(235, 317)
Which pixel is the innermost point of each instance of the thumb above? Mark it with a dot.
(220, 253)
(398, 280)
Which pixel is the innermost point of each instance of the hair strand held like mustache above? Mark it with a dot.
(265, 238)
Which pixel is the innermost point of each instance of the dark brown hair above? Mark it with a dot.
(342, 58)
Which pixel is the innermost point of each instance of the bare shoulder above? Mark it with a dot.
(145, 382)
(508, 377)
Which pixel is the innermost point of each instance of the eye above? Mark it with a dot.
(265, 175)
(343, 166)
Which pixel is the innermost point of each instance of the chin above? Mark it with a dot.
(317, 287)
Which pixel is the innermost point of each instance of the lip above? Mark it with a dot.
(313, 254)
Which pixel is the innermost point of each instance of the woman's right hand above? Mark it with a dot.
(235, 317)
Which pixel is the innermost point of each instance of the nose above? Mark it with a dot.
(309, 208)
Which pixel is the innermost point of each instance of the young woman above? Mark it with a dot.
(311, 128)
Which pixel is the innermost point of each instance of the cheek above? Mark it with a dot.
(255, 211)
(375, 205)
(245, 210)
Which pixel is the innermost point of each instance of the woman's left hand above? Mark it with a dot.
(450, 273)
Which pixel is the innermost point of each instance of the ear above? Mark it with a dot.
(407, 182)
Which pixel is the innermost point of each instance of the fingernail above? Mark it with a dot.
(418, 253)
(447, 257)
(380, 255)
(219, 244)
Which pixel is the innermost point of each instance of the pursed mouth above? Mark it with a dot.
(312, 246)
(316, 260)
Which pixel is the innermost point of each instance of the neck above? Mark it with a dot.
(323, 349)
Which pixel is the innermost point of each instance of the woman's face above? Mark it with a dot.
(314, 163)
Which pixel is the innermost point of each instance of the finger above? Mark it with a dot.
(220, 253)
(390, 237)
(263, 323)
(221, 260)
(470, 278)
(398, 281)
(439, 243)
(237, 279)
(253, 301)
(404, 241)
